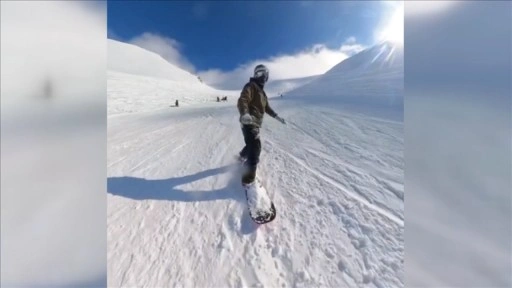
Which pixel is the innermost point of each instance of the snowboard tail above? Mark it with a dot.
(261, 207)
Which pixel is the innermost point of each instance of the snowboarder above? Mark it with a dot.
(252, 105)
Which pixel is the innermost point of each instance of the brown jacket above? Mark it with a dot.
(253, 100)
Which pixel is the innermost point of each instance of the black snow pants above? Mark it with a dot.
(251, 151)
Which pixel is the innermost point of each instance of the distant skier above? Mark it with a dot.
(252, 105)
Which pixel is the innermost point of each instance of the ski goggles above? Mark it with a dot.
(261, 72)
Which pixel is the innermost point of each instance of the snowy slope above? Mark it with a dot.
(177, 213)
(139, 80)
(131, 59)
(135, 93)
(371, 77)
(277, 87)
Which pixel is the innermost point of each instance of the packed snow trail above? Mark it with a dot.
(177, 212)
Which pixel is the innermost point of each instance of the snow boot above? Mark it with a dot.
(248, 175)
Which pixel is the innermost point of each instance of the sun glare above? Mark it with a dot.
(393, 28)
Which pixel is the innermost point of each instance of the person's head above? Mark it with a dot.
(261, 74)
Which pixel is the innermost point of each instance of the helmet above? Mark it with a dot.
(261, 72)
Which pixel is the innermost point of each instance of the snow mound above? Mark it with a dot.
(373, 76)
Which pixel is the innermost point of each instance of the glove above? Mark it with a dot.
(246, 119)
(280, 119)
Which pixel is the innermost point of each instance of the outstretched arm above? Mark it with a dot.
(273, 113)
(270, 111)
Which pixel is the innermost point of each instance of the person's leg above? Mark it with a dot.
(253, 144)
(244, 153)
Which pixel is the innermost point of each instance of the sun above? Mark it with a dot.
(393, 28)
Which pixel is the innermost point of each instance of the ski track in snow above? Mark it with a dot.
(177, 212)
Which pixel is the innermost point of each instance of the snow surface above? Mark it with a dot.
(177, 212)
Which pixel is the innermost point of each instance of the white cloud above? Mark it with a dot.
(350, 40)
(168, 48)
(311, 61)
(314, 60)
(351, 47)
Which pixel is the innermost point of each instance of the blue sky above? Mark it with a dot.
(221, 40)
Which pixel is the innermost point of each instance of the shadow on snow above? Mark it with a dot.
(165, 189)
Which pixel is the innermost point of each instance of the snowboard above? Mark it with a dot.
(261, 207)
